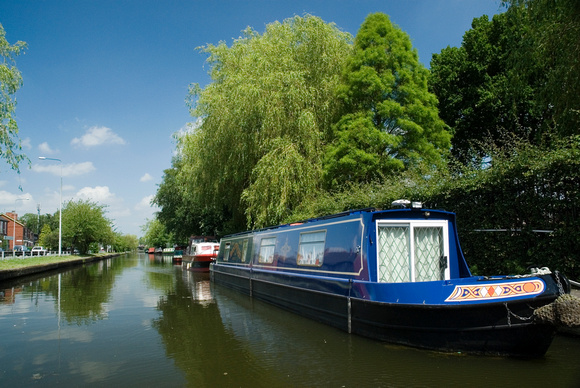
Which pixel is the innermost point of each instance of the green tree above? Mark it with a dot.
(155, 234)
(390, 121)
(179, 214)
(266, 114)
(553, 28)
(482, 97)
(48, 238)
(10, 82)
(36, 223)
(124, 242)
(84, 222)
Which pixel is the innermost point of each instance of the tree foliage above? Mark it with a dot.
(36, 223)
(48, 238)
(155, 234)
(299, 123)
(84, 222)
(178, 213)
(267, 111)
(518, 74)
(553, 28)
(124, 242)
(10, 82)
(481, 96)
(390, 120)
(528, 198)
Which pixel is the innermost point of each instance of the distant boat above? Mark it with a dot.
(202, 251)
(178, 253)
(168, 251)
(151, 250)
(395, 275)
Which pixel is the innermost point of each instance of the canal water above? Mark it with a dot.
(141, 321)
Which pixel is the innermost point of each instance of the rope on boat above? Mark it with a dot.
(564, 311)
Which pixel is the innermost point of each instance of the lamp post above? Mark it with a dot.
(60, 206)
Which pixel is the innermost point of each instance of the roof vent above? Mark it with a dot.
(400, 203)
(405, 203)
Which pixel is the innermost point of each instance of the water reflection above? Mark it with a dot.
(136, 321)
(239, 341)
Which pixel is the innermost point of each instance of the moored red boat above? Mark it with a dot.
(201, 252)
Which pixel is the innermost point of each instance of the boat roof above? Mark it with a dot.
(403, 213)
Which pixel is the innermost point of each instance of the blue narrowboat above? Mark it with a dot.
(395, 275)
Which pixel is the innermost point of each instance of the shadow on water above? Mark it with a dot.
(234, 340)
(141, 321)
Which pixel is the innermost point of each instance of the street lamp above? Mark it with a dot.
(60, 207)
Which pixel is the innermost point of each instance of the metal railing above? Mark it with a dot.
(17, 254)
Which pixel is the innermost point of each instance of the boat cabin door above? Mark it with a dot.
(412, 251)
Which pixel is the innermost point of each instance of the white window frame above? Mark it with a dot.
(412, 224)
(267, 242)
(310, 247)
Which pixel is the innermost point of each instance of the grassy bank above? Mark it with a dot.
(31, 261)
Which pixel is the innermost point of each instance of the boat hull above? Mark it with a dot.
(489, 329)
(198, 263)
(498, 328)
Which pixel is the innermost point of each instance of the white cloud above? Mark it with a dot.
(72, 169)
(26, 143)
(145, 203)
(97, 194)
(115, 207)
(146, 177)
(96, 136)
(11, 201)
(45, 149)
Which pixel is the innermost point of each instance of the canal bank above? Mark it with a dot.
(12, 273)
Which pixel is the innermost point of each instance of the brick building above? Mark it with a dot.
(11, 228)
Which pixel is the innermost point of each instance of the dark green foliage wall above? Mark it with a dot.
(524, 193)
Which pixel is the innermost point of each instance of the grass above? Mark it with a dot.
(29, 261)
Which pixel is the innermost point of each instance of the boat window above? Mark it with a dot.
(227, 252)
(412, 252)
(311, 250)
(429, 254)
(244, 250)
(267, 247)
(393, 255)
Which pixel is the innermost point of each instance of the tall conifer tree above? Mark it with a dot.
(390, 120)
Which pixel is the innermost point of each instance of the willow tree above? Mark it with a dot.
(390, 121)
(10, 82)
(257, 152)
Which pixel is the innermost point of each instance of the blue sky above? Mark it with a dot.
(105, 84)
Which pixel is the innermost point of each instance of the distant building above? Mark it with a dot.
(11, 229)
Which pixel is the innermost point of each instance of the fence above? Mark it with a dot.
(19, 254)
